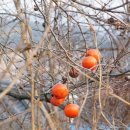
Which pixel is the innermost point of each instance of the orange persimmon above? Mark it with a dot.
(71, 110)
(89, 62)
(95, 53)
(60, 90)
(56, 102)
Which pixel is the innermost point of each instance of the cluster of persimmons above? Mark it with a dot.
(60, 91)
(91, 59)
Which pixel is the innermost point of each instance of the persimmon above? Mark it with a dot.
(60, 90)
(71, 110)
(73, 73)
(56, 102)
(89, 62)
(95, 53)
(35, 8)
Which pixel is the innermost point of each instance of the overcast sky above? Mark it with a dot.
(8, 5)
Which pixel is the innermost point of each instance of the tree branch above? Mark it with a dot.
(24, 96)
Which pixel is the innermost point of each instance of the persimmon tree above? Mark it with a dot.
(43, 42)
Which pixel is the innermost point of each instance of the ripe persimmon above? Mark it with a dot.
(56, 102)
(71, 110)
(60, 90)
(95, 53)
(89, 62)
